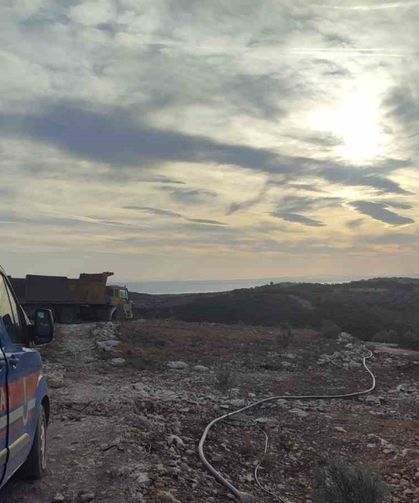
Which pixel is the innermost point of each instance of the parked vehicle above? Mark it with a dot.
(85, 298)
(24, 402)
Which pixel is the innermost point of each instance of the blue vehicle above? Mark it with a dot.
(24, 402)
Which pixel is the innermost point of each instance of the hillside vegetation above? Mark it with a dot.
(382, 309)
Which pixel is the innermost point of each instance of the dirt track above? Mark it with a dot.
(130, 433)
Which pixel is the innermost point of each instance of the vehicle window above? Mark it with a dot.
(123, 294)
(9, 312)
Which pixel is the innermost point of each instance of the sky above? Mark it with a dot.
(189, 140)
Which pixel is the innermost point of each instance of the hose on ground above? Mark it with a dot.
(243, 497)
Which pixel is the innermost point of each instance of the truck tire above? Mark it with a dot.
(35, 465)
(67, 315)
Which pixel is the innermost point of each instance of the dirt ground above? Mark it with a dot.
(125, 425)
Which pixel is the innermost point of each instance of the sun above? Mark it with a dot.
(355, 122)
(358, 125)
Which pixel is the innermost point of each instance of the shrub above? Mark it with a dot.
(386, 336)
(410, 340)
(225, 378)
(285, 337)
(330, 329)
(339, 482)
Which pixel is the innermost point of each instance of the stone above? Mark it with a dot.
(177, 365)
(237, 402)
(58, 498)
(344, 338)
(142, 478)
(340, 429)
(287, 365)
(118, 362)
(200, 368)
(55, 380)
(109, 345)
(86, 497)
(175, 440)
(375, 400)
(167, 497)
(299, 412)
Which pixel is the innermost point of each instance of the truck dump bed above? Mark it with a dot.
(87, 289)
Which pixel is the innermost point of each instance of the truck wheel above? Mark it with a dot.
(36, 464)
(67, 315)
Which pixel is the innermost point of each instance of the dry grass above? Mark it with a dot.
(162, 340)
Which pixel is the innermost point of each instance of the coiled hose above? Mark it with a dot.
(245, 497)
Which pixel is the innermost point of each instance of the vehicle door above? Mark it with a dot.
(24, 367)
(3, 404)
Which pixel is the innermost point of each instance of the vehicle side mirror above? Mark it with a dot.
(44, 327)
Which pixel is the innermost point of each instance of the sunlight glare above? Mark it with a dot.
(356, 122)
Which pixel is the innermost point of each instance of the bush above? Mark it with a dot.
(339, 482)
(386, 336)
(330, 329)
(410, 340)
(285, 337)
(225, 378)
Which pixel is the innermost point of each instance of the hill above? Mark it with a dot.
(384, 309)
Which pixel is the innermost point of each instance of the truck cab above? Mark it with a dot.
(24, 402)
(118, 298)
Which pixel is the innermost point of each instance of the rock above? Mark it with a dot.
(167, 497)
(55, 375)
(269, 421)
(201, 368)
(118, 362)
(175, 440)
(340, 429)
(178, 365)
(85, 497)
(58, 498)
(287, 365)
(109, 345)
(141, 478)
(237, 402)
(300, 413)
(344, 338)
(375, 400)
(55, 380)
(404, 388)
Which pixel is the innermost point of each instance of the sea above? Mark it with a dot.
(207, 286)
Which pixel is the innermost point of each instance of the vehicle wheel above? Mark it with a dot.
(67, 315)
(36, 464)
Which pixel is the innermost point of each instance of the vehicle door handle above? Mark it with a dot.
(13, 360)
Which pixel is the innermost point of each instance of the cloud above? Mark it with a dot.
(300, 219)
(172, 214)
(290, 208)
(190, 196)
(392, 238)
(206, 221)
(355, 223)
(378, 211)
(361, 178)
(112, 136)
(322, 139)
(153, 211)
(249, 203)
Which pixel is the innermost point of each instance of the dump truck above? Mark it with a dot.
(87, 298)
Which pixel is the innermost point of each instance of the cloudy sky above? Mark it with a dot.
(193, 139)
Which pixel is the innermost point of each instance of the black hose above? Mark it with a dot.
(239, 495)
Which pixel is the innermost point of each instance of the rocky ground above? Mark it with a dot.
(130, 402)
